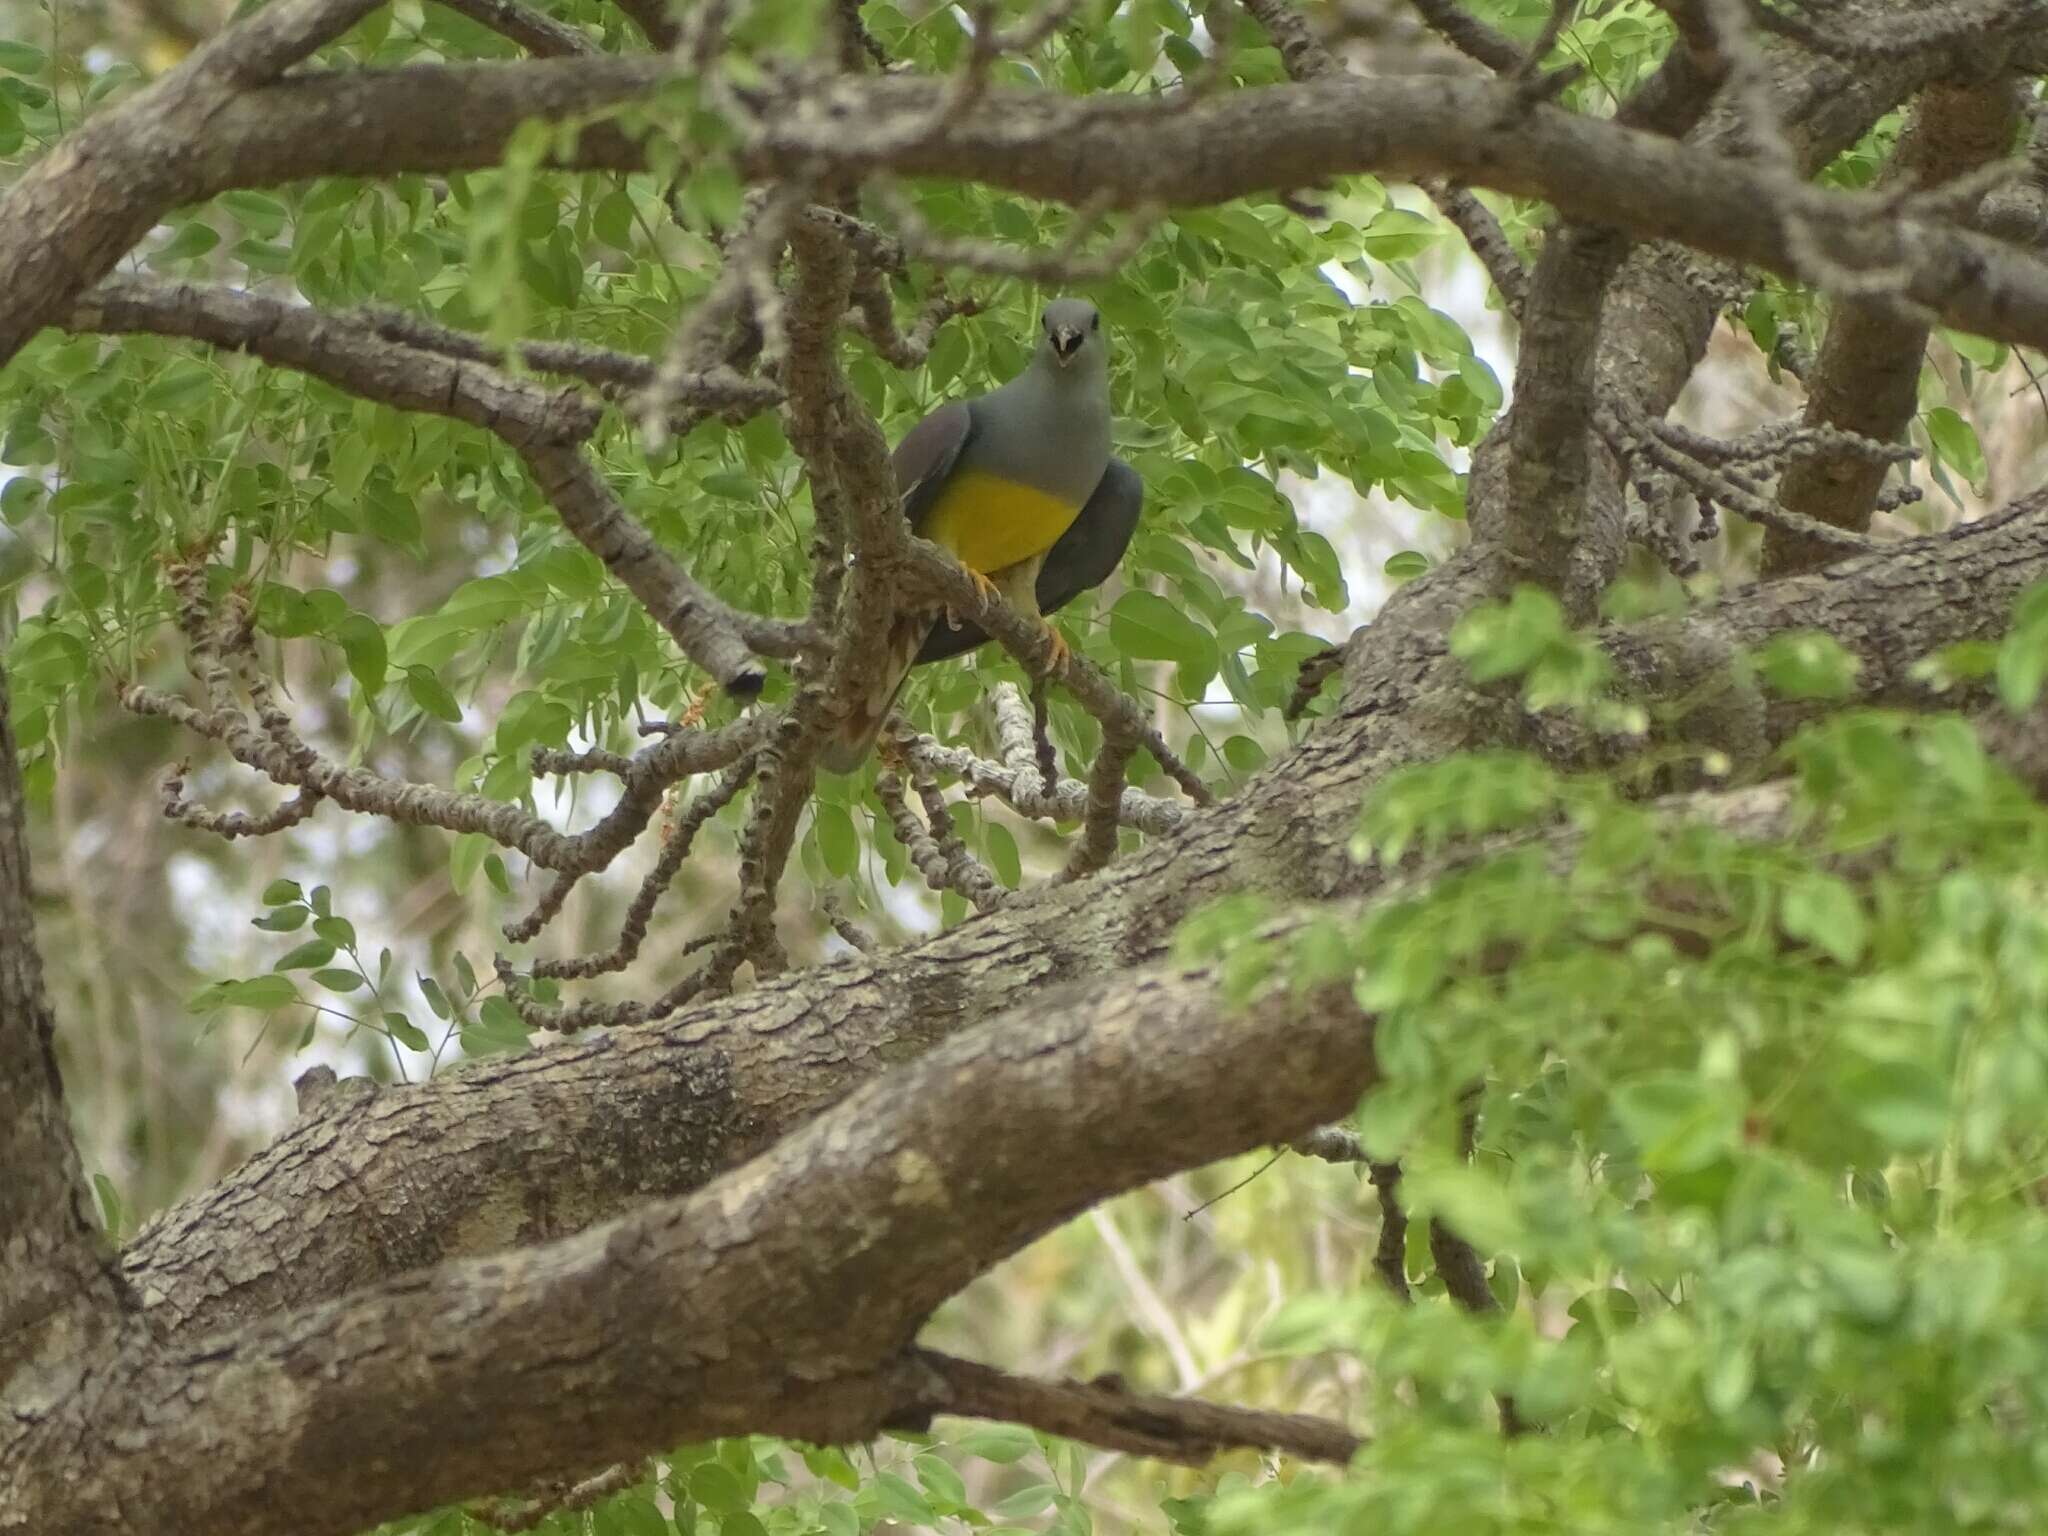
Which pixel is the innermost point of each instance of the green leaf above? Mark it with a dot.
(1001, 1444)
(2023, 656)
(466, 857)
(181, 387)
(901, 1501)
(314, 952)
(278, 892)
(259, 212)
(1955, 440)
(1147, 626)
(1807, 664)
(21, 59)
(1679, 1120)
(837, 840)
(1823, 910)
(1501, 640)
(437, 1000)
(1406, 566)
(1031, 1499)
(431, 695)
(498, 1029)
(717, 1489)
(338, 931)
(940, 1481)
(405, 1032)
(1904, 1105)
(1395, 234)
(361, 639)
(1003, 857)
(193, 238)
(390, 515)
(260, 992)
(110, 1204)
(339, 979)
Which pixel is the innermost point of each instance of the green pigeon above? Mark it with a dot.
(1082, 560)
(998, 482)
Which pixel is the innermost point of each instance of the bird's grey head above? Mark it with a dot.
(1070, 332)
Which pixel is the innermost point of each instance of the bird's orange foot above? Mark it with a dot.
(694, 715)
(1061, 651)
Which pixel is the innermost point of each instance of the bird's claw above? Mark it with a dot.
(984, 589)
(1061, 651)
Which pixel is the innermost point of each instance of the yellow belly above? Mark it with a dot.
(990, 523)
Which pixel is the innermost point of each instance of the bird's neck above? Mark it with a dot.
(1065, 389)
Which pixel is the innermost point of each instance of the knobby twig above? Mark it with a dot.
(933, 846)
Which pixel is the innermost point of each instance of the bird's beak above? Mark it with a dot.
(1066, 343)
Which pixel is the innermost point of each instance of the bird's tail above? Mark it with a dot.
(855, 738)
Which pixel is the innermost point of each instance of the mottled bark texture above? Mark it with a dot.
(739, 1219)
(1868, 375)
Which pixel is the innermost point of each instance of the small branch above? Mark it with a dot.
(947, 581)
(1471, 36)
(1105, 801)
(1022, 788)
(937, 851)
(719, 639)
(507, 1516)
(719, 389)
(745, 288)
(856, 937)
(675, 849)
(1315, 671)
(266, 43)
(655, 20)
(1105, 1413)
(1390, 1255)
(218, 653)
(1489, 242)
(539, 34)
(233, 824)
(342, 350)
(1676, 453)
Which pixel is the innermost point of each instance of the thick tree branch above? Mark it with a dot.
(64, 224)
(1867, 378)
(780, 1299)
(83, 206)
(58, 1294)
(1244, 142)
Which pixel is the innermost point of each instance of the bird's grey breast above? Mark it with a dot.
(1051, 434)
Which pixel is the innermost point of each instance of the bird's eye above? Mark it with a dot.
(1045, 322)
(1095, 323)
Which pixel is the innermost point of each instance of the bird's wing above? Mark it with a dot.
(926, 456)
(1082, 559)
